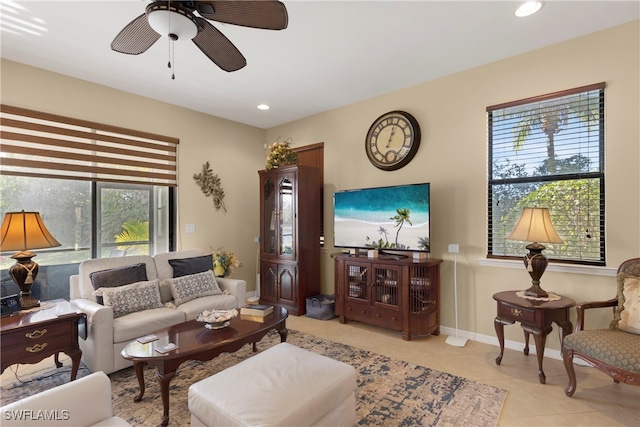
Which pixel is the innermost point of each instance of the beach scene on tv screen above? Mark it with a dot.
(383, 218)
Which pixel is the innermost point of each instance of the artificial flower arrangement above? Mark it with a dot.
(280, 153)
(224, 262)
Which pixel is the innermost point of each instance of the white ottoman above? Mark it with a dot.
(282, 386)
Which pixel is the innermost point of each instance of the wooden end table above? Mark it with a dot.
(29, 336)
(535, 317)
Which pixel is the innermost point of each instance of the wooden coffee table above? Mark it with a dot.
(195, 342)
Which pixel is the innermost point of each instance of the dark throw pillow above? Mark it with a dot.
(187, 266)
(120, 276)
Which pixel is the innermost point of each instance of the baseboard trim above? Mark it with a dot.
(512, 345)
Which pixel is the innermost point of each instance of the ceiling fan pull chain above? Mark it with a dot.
(169, 36)
(173, 59)
(169, 63)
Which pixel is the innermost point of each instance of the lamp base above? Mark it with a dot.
(536, 291)
(27, 301)
(536, 264)
(24, 273)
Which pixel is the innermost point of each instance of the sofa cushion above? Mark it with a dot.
(165, 291)
(134, 325)
(187, 266)
(130, 298)
(627, 313)
(186, 288)
(119, 276)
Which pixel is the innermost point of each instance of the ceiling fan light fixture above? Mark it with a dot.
(528, 8)
(170, 19)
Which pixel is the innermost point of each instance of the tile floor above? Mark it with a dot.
(598, 401)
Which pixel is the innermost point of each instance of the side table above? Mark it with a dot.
(30, 336)
(535, 318)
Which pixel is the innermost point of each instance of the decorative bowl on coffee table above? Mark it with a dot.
(216, 319)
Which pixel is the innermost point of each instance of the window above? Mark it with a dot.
(548, 151)
(102, 191)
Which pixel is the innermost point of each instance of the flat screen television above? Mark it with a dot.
(394, 218)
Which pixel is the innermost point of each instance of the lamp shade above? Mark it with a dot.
(535, 226)
(25, 230)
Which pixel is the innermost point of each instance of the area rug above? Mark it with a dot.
(390, 392)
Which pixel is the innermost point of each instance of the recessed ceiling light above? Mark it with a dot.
(263, 107)
(529, 8)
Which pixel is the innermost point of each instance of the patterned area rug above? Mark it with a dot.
(390, 392)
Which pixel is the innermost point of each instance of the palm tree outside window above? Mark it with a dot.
(548, 151)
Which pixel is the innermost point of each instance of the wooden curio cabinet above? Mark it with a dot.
(402, 295)
(290, 236)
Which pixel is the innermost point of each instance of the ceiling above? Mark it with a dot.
(333, 53)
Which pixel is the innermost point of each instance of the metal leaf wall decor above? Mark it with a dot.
(211, 185)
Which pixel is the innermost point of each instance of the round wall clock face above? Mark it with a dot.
(393, 140)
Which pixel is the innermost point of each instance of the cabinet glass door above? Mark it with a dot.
(285, 217)
(269, 217)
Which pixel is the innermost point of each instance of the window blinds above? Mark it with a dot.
(38, 144)
(548, 151)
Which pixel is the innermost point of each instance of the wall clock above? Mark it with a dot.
(392, 140)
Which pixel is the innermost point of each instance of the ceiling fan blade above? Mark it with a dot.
(218, 47)
(264, 14)
(136, 37)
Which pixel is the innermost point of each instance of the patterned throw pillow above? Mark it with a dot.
(630, 315)
(186, 288)
(627, 314)
(131, 298)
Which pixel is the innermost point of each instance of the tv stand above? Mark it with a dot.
(398, 294)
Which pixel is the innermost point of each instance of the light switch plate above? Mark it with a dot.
(454, 248)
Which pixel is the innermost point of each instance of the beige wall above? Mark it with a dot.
(235, 152)
(452, 157)
(453, 153)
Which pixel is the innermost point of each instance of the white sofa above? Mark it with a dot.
(107, 336)
(81, 403)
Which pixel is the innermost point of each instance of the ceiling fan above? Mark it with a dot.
(188, 20)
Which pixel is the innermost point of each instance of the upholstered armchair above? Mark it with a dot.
(614, 351)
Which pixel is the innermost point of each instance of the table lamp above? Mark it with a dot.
(535, 226)
(21, 231)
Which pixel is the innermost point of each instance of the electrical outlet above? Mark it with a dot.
(454, 248)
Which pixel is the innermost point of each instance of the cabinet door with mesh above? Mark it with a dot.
(358, 279)
(386, 286)
(423, 290)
